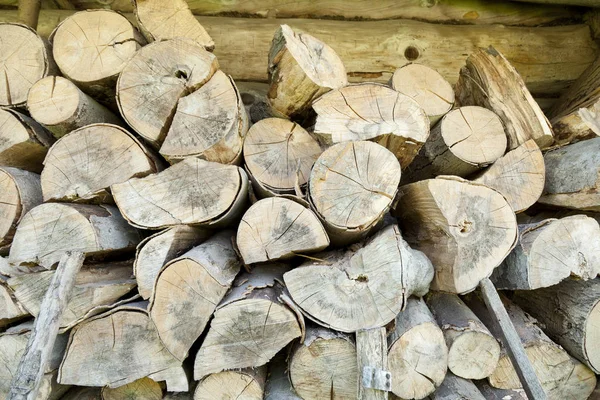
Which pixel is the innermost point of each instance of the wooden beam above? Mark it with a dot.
(374, 380)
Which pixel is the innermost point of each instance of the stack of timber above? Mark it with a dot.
(301, 201)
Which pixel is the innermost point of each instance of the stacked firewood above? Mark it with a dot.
(318, 240)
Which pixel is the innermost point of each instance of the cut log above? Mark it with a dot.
(417, 355)
(277, 228)
(572, 176)
(466, 229)
(50, 229)
(161, 21)
(473, 352)
(551, 251)
(427, 87)
(279, 155)
(466, 140)
(570, 313)
(351, 187)
(114, 349)
(324, 365)
(59, 105)
(361, 288)
(82, 165)
(518, 176)
(490, 81)
(251, 311)
(194, 192)
(10, 308)
(491, 393)
(26, 58)
(142, 389)
(23, 142)
(210, 123)
(246, 384)
(189, 288)
(278, 385)
(157, 250)
(373, 112)
(372, 363)
(457, 388)
(20, 191)
(301, 69)
(91, 49)
(155, 78)
(95, 285)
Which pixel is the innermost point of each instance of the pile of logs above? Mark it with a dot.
(318, 240)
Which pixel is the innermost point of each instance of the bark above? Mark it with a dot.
(457, 388)
(29, 12)
(278, 385)
(247, 384)
(492, 393)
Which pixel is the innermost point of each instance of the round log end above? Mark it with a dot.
(474, 355)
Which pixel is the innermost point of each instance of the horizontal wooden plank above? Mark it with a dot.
(548, 58)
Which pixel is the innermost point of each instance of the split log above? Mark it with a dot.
(91, 49)
(23, 142)
(188, 289)
(572, 176)
(161, 21)
(250, 324)
(569, 312)
(10, 308)
(457, 388)
(26, 58)
(125, 347)
(466, 140)
(247, 384)
(155, 78)
(581, 124)
(361, 288)
(142, 389)
(20, 191)
(492, 393)
(50, 229)
(490, 81)
(223, 124)
(372, 112)
(301, 69)
(60, 106)
(351, 187)
(157, 250)
(473, 352)
(466, 229)
(418, 356)
(518, 176)
(550, 251)
(278, 385)
(81, 166)
(427, 87)
(279, 155)
(95, 285)
(277, 228)
(324, 365)
(194, 192)
(374, 381)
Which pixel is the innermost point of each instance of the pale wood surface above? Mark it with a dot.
(371, 351)
(142, 389)
(245, 384)
(10, 309)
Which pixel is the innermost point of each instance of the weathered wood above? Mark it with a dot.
(83, 393)
(550, 251)
(277, 228)
(360, 288)
(38, 352)
(372, 112)
(466, 229)
(372, 363)
(252, 312)
(10, 308)
(492, 393)
(194, 192)
(573, 319)
(254, 97)
(351, 187)
(518, 176)
(489, 80)
(48, 230)
(81, 166)
(155, 78)
(418, 355)
(247, 384)
(473, 352)
(29, 12)
(91, 49)
(60, 106)
(142, 389)
(457, 388)
(278, 385)
(301, 69)
(581, 124)
(324, 365)
(23, 142)
(466, 140)
(585, 3)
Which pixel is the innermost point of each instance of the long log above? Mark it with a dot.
(364, 47)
